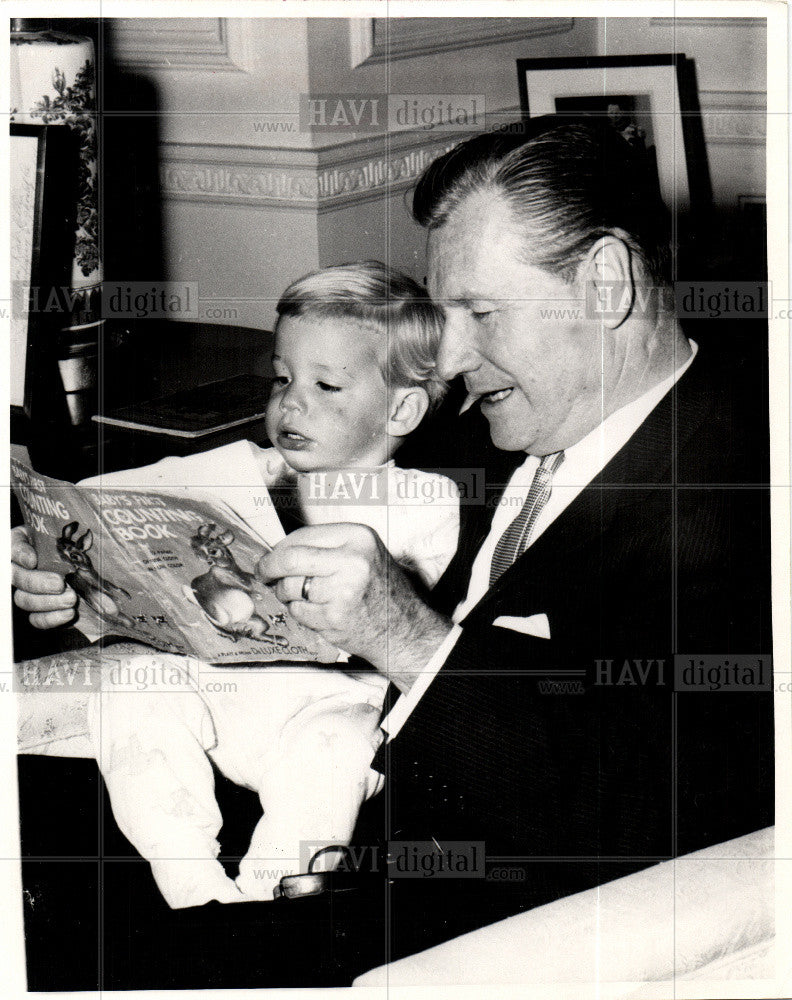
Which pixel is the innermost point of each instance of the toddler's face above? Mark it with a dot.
(329, 402)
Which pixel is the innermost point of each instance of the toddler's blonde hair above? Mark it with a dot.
(382, 298)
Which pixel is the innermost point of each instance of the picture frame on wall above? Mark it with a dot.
(651, 100)
(40, 214)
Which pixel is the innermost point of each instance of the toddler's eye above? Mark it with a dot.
(280, 380)
(325, 387)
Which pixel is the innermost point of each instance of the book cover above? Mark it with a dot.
(172, 570)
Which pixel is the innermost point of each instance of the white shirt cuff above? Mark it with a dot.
(401, 711)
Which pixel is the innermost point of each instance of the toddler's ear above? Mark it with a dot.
(407, 409)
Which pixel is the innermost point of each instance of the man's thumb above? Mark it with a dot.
(22, 552)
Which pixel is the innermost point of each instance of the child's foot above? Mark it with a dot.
(259, 877)
(188, 882)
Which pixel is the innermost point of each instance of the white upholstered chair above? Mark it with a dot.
(705, 916)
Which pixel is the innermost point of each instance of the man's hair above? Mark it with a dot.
(386, 301)
(569, 181)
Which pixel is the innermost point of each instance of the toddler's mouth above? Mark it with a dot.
(291, 440)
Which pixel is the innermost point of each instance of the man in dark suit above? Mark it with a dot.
(562, 698)
(625, 533)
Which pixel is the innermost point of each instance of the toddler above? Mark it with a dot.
(354, 363)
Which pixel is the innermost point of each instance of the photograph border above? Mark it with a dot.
(776, 147)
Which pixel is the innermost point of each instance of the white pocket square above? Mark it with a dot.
(536, 625)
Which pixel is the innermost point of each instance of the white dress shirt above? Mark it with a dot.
(582, 463)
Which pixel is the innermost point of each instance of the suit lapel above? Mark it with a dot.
(648, 459)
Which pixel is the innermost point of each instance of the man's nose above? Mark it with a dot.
(457, 354)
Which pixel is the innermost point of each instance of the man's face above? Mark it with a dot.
(517, 334)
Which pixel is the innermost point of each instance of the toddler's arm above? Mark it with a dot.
(423, 522)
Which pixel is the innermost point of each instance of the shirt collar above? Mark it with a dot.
(601, 444)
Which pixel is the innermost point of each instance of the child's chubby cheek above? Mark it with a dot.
(335, 412)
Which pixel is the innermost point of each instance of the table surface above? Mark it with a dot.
(198, 412)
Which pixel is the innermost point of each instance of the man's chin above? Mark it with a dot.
(509, 438)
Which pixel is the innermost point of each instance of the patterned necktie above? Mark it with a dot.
(514, 540)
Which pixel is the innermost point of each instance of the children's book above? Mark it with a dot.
(169, 568)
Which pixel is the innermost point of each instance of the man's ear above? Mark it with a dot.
(408, 407)
(609, 280)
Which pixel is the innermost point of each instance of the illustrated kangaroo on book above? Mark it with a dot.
(84, 580)
(224, 591)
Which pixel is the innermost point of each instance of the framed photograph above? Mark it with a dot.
(40, 211)
(649, 99)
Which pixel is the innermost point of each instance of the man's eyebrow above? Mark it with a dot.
(465, 299)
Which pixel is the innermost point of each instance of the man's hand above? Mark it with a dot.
(45, 595)
(357, 597)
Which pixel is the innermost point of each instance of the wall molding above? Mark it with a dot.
(375, 39)
(228, 184)
(326, 178)
(734, 117)
(180, 43)
(377, 176)
(316, 179)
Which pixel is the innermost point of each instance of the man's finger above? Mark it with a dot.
(22, 552)
(35, 581)
(45, 602)
(321, 589)
(326, 536)
(299, 560)
(312, 615)
(52, 619)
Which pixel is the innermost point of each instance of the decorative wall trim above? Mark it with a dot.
(734, 116)
(378, 176)
(238, 183)
(375, 39)
(316, 179)
(178, 43)
(375, 166)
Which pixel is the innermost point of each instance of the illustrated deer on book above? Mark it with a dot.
(97, 592)
(226, 592)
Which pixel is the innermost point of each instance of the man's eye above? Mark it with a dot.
(480, 313)
(326, 387)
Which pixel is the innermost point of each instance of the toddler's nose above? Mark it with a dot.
(291, 400)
